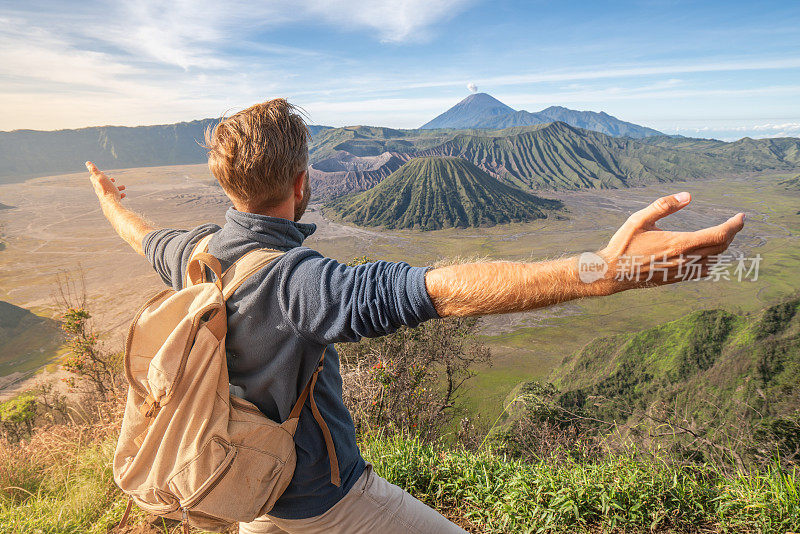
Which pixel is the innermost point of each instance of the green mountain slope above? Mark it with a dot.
(761, 154)
(710, 364)
(690, 143)
(439, 192)
(559, 156)
(29, 152)
(746, 154)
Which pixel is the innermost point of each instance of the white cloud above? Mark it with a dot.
(394, 20)
(144, 60)
(187, 33)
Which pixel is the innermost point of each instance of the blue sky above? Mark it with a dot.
(706, 69)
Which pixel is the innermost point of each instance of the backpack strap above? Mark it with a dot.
(244, 267)
(231, 279)
(200, 247)
(196, 272)
(308, 392)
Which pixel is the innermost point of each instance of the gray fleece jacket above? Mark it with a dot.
(280, 321)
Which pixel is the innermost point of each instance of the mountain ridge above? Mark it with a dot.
(481, 110)
(110, 147)
(551, 156)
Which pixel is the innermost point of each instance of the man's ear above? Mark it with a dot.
(299, 182)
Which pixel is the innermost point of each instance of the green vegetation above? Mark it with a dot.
(618, 493)
(747, 153)
(558, 156)
(59, 480)
(434, 193)
(67, 487)
(552, 156)
(760, 154)
(372, 141)
(715, 375)
(18, 415)
(25, 153)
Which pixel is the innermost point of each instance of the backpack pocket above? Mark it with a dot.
(198, 477)
(263, 466)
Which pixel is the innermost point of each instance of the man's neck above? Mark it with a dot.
(284, 210)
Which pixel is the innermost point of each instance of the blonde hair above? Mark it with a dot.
(257, 153)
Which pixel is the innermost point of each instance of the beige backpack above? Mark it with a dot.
(189, 450)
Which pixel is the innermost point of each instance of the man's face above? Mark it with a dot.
(300, 208)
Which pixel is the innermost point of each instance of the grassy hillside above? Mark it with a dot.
(552, 156)
(26, 340)
(748, 154)
(760, 154)
(365, 141)
(62, 483)
(712, 365)
(435, 192)
(689, 143)
(559, 156)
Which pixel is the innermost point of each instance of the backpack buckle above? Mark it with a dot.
(149, 407)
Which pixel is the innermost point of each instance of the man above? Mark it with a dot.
(283, 318)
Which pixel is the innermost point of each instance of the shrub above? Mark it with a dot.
(409, 381)
(17, 416)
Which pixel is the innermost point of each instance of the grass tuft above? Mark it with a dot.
(617, 493)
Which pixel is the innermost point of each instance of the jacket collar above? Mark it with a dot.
(272, 231)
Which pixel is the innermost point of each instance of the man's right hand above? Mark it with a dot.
(104, 187)
(643, 243)
(130, 226)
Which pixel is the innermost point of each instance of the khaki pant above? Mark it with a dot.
(372, 506)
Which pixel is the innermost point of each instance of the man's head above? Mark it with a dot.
(260, 157)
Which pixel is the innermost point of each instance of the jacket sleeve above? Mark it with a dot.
(329, 302)
(168, 251)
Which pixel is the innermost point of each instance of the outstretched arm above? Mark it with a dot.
(130, 226)
(502, 287)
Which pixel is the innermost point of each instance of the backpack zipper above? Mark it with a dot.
(129, 339)
(199, 498)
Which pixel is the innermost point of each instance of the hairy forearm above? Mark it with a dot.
(130, 226)
(504, 287)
